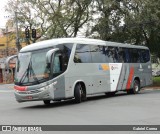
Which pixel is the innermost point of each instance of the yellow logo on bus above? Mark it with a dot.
(103, 67)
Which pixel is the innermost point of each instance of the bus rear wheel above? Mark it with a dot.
(136, 88)
(79, 93)
(47, 102)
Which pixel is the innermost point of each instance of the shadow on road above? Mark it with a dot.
(72, 102)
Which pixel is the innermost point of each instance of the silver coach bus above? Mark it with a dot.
(67, 68)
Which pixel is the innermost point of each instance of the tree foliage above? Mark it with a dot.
(130, 21)
(126, 21)
(60, 18)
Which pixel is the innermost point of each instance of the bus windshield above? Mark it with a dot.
(31, 68)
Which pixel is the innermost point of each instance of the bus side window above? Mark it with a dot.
(98, 55)
(135, 56)
(110, 54)
(127, 55)
(121, 55)
(145, 57)
(105, 53)
(59, 63)
(116, 57)
(65, 51)
(77, 58)
(58, 66)
(82, 54)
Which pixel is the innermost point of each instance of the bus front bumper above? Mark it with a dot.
(45, 93)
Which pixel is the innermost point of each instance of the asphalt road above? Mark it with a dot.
(122, 109)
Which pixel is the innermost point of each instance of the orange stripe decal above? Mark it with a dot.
(131, 74)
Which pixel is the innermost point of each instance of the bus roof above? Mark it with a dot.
(53, 42)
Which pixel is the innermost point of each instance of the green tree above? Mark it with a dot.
(126, 21)
(134, 21)
(61, 18)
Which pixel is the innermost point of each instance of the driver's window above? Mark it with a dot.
(56, 64)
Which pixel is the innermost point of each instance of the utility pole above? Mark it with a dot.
(17, 34)
(7, 41)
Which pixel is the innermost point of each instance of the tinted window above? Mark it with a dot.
(82, 54)
(121, 55)
(111, 54)
(145, 56)
(65, 50)
(61, 59)
(98, 56)
(105, 52)
(135, 55)
(127, 55)
(56, 64)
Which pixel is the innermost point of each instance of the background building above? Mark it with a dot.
(8, 48)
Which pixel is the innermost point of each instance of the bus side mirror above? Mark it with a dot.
(49, 55)
(8, 60)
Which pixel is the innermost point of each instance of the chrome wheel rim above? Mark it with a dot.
(136, 87)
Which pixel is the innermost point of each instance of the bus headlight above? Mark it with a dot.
(54, 83)
(42, 89)
(50, 86)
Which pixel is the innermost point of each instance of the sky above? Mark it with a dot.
(3, 14)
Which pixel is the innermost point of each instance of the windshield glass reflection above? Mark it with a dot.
(31, 67)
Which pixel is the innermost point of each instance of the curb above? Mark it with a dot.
(153, 88)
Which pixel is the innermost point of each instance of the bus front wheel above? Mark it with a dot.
(46, 102)
(79, 93)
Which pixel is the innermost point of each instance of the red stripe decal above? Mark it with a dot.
(131, 74)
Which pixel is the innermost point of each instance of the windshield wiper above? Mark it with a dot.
(23, 76)
(34, 75)
(26, 73)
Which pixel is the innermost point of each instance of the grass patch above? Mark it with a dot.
(156, 81)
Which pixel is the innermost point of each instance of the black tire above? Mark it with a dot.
(47, 102)
(79, 93)
(135, 89)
